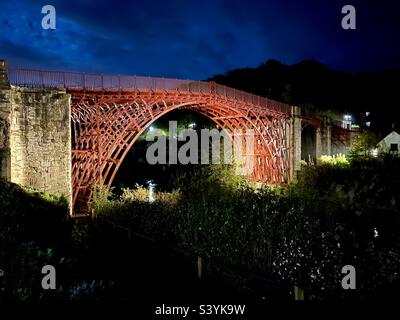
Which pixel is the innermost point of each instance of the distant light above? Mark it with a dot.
(367, 114)
(374, 152)
(151, 128)
(368, 123)
(192, 125)
(347, 117)
(376, 234)
(151, 191)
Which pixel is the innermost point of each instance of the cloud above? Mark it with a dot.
(191, 39)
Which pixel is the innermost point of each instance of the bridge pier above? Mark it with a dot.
(35, 137)
(5, 122)
(324, 140)
(295, 144)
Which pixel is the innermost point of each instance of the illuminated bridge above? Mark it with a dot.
(109, 113)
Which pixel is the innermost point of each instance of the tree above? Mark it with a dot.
(363, 144)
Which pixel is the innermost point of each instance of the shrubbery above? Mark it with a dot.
(32, 226)
(35, 230)
(338, 160)
(336, 214)
(353, 218)
(303, 234)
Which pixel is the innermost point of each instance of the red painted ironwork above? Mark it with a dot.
(109, 113)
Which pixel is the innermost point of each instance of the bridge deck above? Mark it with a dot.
(88, 81)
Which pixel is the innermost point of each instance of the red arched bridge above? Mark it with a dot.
(109, 113)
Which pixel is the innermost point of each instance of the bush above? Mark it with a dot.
(362, 145)
(302, 234)
(354, 220)
(140, 194)
(336, 160)
(33, 226)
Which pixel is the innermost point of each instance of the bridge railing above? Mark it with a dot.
(88, 81)
(253, 99)
(72, 80)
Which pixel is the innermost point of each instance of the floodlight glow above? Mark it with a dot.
(151, 191)
(376, 233)
(374, 152)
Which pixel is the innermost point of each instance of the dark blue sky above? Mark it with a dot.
(197, 39)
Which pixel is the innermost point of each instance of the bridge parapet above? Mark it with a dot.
(88, 81)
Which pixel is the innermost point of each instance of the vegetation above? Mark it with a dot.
(26, 243)
(353, 218)
(339, 212)
(362, 145)
(337, 160)
(336, 214)
(35, 230)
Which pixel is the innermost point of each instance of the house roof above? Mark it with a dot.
(392, 137)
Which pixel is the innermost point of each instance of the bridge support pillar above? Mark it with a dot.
(35, 137)
(5, 123)
(295, 144)
(324, 140)
(318, 143)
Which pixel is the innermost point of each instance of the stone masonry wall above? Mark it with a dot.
(5, 121)
(40, 139)
(295, 145)
(35, 137)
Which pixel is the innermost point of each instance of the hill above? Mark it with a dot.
(316, 87)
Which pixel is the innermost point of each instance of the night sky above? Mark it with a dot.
(197, 39)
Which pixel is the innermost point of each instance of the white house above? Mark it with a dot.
(346, 122)
(390, 144)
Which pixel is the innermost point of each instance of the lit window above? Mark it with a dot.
(347, 117)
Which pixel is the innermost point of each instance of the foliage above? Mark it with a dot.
(101, 199)
(140, 194)
(336, 160)
(354, 218)
(35, 230)
(362, 145)
(209, 181)
(60, 200)
(26, 241)
(87, 290)
(303, 234)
